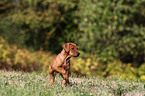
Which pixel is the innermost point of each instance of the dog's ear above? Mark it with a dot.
(66, 47)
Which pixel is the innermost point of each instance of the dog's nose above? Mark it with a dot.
(78, 54)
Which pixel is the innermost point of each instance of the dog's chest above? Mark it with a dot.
(66, 64)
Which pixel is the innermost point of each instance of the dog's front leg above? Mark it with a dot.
(65, 79)
(68, 74)
(64, 75)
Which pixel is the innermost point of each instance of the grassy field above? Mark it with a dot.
(31, 84)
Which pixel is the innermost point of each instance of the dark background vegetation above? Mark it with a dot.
(110, 35)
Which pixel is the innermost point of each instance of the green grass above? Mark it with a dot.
(31, 84)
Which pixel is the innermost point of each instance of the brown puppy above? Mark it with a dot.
(61, 62)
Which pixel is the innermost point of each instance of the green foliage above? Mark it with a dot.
(118, 69)
(45, 22)
(11, 32)
(92, 67)
(11, 57)
(109, 34)
(106, 55)
(117, 24)
(111, 29)
(21, 59)
(18, 83)
(5, 7)
(4, 52)
(141, 72)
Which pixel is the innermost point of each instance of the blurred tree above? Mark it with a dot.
(108, 29)
(112, 29)
(46, 22)
(105, 30)
(5, 7)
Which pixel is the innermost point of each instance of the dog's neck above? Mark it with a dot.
(64, 55)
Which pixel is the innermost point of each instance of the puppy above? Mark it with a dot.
(61, 62)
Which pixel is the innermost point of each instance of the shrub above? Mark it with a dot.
(11, 32)
(141, 72)
(118, 69)
(110, 35)
(112, 25)
(12, 57)
(111, 29)
(45, 22)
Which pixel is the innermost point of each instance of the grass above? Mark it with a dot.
(30, 84)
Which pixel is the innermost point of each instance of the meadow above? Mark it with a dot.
(14, 83)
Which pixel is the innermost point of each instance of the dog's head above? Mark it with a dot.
(71, 49)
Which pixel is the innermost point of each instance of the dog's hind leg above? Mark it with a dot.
(51, 73)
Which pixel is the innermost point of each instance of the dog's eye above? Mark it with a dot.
(72, 48)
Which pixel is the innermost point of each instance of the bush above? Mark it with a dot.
(118, 69)
(12, 57)
(112, 25)
(92, 67)
(110, 35)
(112, 28)
(11, 32)
(46, 23)
(141, 72)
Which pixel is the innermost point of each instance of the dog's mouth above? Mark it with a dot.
(77, 54)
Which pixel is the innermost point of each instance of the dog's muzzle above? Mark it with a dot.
(77, 54)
